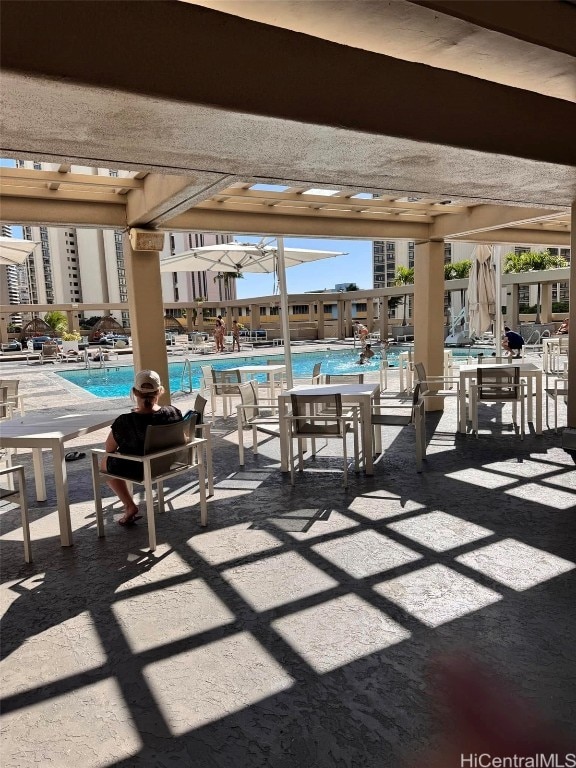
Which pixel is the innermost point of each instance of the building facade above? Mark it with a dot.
(388, 255)
(86, 266)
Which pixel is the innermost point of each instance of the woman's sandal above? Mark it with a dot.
(130, 520)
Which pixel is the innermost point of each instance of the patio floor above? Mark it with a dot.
(302, 627)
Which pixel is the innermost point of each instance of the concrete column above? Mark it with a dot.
(384, 318)
(572, 339)
(429, 311)
(341, 324)
(4, 328)
(189, 319)
(546, 308)
(514, 316)
(370, 314)
(320, 319)
(200, 318)
(146, 309)
(228, 319)
(347, 318)
(254, 316)
(70, 320)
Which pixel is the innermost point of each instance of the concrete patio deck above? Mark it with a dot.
(300, 629)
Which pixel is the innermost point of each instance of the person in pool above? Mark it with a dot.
(127, 435)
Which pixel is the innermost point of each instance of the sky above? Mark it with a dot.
(355, 267)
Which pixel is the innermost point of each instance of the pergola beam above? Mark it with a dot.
(481, 218)
(159, 198)
(61, 213)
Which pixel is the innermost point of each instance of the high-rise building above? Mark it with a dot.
(388, 255)
(10, 280)
(87, 265)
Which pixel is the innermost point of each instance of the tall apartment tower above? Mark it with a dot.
(87, 265)
(10, 279)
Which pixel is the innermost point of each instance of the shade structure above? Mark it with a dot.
(261, 258)
(481, 291)
(14, 251)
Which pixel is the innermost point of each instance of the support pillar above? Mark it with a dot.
(429, 311)
(341, 325)
(320, 320)
(569, 435)
(546, 306)
(348, 319)
(370, 314)
(143, 279)
(254, 317)
(189, 319)
(383, 324)
(4, 329)
(514, 316)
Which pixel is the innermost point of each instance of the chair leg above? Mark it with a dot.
(240, 440)
(202, 490)
(255, 440)
(345, 456)
(522, 418)
(160, 494)
(148, 489)
(24, 515)
(356, 445)
(97, 492)
(209, 468)
(291, 458)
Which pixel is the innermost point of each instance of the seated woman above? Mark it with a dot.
(564, 327)
(127, 436)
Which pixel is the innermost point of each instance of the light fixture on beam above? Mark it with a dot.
(146, 240)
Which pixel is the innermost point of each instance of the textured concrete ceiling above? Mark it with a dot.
(176, 88)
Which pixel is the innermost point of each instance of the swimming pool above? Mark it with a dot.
(116, 381)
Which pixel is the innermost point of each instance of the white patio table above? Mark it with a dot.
(530, 371)
(356, 394)
(41, 430)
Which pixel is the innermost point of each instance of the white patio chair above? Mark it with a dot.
(203, 430)
(498, 385)
(437, 386)
(169, 451)
(401, 414)
(12, 396)
(225, 384)
(8, 493)
(260, 415)
(555, 391)
(315, 416)
(50, 352)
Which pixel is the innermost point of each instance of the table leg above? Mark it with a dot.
(530, 398)
(539, 403)
(367, 441)
(62, 500)
(462, 403)
(39, 477)
(283, 435)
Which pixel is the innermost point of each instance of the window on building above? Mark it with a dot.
(300, 309)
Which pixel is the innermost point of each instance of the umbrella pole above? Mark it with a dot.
(284, 311)
(498, 298)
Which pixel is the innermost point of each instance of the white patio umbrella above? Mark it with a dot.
(481, 291)
(262, 257)
(14, 251)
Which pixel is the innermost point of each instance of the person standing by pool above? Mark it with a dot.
(361, 332)
(235, 335)
(219, 334)
(127, 435)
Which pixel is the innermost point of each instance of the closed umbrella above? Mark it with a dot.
(263, 258)
(14, 251)
(481, 291)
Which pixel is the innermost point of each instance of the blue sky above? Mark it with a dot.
(355, 267)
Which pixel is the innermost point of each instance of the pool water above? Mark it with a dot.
(116, 381)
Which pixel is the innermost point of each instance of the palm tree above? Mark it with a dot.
(533, 261)
(226, 278)
(404, 276)
(57, 321)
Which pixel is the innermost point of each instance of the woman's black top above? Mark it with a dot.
(129, 431)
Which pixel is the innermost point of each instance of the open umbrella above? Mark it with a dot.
(13, 251)
(481, 291)
(263, 257)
